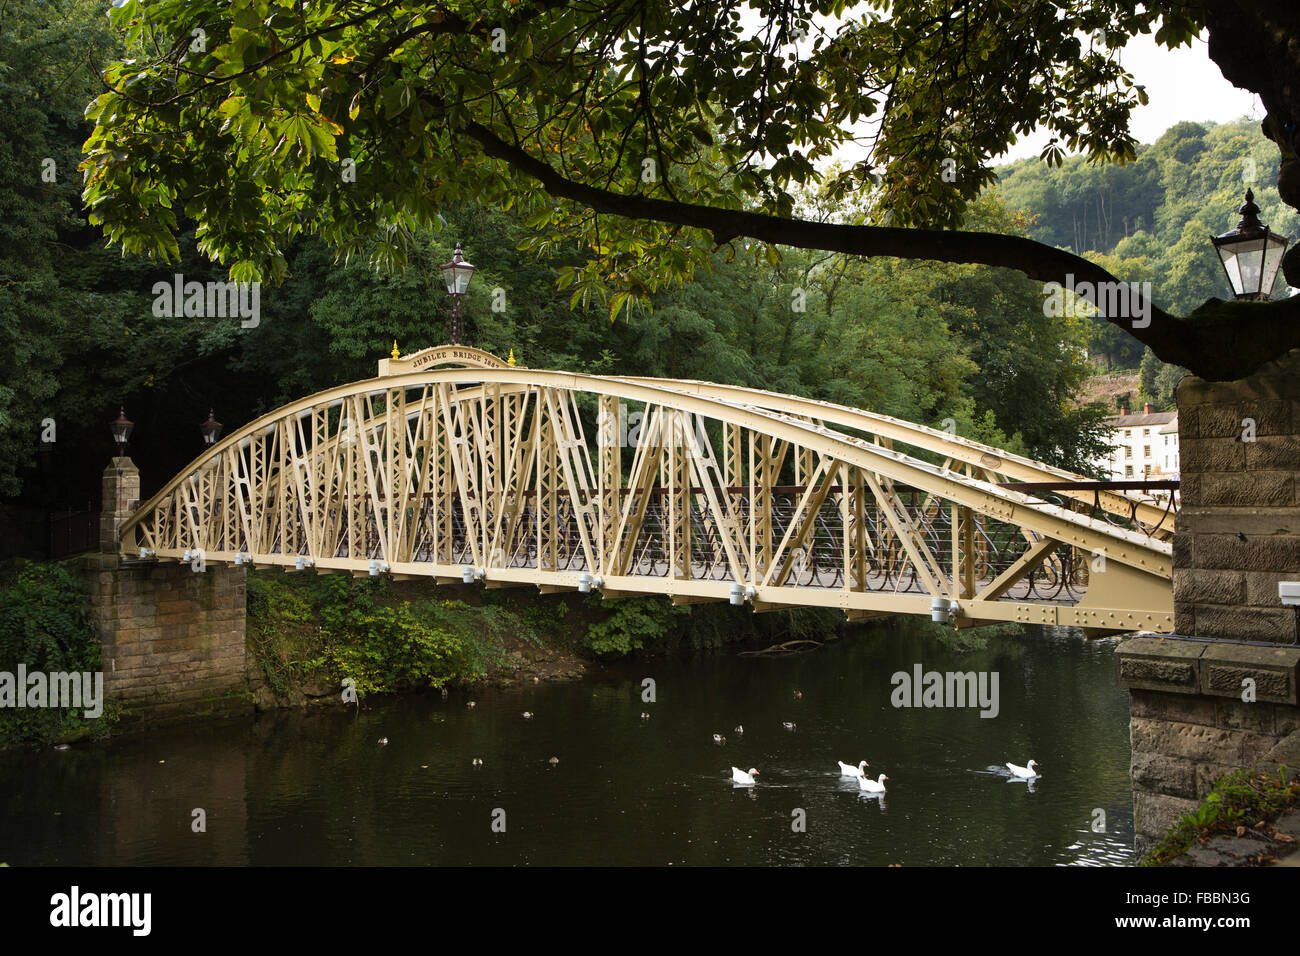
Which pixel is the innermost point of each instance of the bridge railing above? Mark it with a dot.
(1145, 499)
(72, 532)
(993, 548)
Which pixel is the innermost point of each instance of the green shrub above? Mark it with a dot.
(390, 648)
(45, 625)
(632, 624)
(544, 619)
(338, 627)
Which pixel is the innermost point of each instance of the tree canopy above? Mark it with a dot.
(646, 131)
(957, 346)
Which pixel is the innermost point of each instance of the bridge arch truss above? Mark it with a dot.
(631, 486)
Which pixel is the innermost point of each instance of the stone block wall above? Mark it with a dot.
(1238, 531)
(1189, 723)
(172, 639)
(1237, 535)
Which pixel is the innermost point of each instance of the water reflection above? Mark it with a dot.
(318, 788)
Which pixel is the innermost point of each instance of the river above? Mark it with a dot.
(317, 788)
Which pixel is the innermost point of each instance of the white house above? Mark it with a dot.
(1169, 449)
(1143, 446)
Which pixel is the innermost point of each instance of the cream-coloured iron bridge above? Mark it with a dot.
(455, 465)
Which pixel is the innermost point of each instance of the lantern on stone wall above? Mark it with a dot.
(1250, 254)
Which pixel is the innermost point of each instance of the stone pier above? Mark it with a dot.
(172, 638)
(1189, 725)
(1222, 691)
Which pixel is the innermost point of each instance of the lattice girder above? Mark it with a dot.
(528, 477)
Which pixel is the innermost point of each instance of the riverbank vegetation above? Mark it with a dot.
(307, 633)
(1241, 801)
(307, 630)
(45, 626)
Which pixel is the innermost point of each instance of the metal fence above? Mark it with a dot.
(72, 532)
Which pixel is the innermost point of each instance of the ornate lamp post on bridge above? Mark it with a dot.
(210, 430)
(121, 486)
(121, 428)
(456, 274)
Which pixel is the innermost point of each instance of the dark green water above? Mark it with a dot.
(319, 789)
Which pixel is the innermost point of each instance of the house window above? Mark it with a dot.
(1146, 452)
(1128, 471)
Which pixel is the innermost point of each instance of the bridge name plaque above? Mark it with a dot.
(463, 355)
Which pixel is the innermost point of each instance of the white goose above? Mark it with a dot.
(1024, 773)
(848, 770)
(872, 786)
(739, 776)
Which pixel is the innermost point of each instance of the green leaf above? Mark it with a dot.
(616, 305)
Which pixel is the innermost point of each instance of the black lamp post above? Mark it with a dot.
(210, 430)
(121, 428)
(1250, 254)
(456, 274)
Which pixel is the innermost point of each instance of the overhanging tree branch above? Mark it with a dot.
(1219, 341)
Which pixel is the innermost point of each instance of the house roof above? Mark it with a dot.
(1131, 421)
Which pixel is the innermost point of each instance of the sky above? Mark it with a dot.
(1182, 84)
